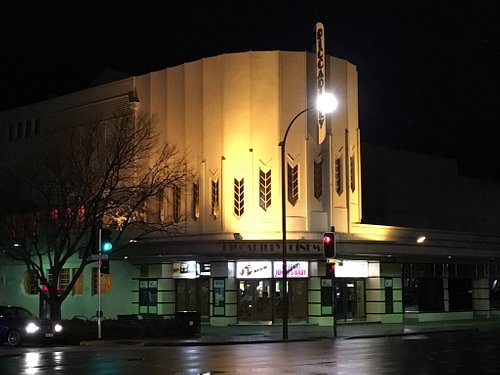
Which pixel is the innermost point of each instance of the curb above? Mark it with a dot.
(416, 333)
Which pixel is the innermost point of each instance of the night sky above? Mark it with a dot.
(428, 70)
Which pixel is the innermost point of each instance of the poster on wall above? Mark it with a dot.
(296, 269)
(185, 270)
(254, 270)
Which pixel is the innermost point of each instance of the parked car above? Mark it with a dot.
(18, 324)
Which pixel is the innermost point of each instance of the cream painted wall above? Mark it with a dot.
(229, 112)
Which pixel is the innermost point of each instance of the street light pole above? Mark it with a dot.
(326, 103)
(284, 291)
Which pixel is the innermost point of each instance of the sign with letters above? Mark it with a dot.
(185, 270)
(296, 269)
(320, 77)
(254, 270)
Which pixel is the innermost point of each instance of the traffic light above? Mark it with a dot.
(104, 265)
(106, 244)
(329, 245)
(330, 270)
(94, 241)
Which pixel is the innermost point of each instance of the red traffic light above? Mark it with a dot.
(330, 269)
(329, 245)
(104, 266)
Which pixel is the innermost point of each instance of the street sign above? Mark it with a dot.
(335, 260)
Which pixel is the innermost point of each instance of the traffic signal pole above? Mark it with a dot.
(334, 304)
(330, 253)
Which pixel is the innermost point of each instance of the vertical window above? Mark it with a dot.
(64, 279)
(148, 292)
(27, 132)
(264, 189)
(352, 173)
(11, 132)
(105, 282)
(78, 287)
(239, 197)
(293, 184)
(37, 126)
(318, 179)
(339, 188)
(176, 203)
(30, 283)
(161, 206)
(215, 197)
(195, 209)
(19, 130)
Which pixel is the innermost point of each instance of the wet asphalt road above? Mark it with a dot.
(469, 352)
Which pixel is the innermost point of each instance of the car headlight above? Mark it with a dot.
(58, 328)
(32, 327)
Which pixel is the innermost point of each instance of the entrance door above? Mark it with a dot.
(193, 295)
(255, 301)
(350, 299)
(297, 300)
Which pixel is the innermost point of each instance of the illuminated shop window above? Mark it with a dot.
(215, 197)
(106, 282)
(293, 184)
(339, 188)
(318, 179)
(264, 189)
(239, 197)
(352, 173)
(195, 208)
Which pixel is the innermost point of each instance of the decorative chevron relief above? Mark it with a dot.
(239, 197)
(264, 189)
(293, 184)
(339, 183)
(318, 178)
(195, 207)
(214, 195)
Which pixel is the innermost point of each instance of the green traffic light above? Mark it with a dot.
(106, 243)
(107, 246)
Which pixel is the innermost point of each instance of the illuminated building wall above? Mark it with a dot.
(230, 112)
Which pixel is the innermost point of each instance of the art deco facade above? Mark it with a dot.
(230, 113)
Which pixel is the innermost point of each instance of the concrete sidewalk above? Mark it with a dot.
(246, 334)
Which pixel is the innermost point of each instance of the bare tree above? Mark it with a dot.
(109, 173)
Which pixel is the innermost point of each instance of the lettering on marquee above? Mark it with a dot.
(273, 248)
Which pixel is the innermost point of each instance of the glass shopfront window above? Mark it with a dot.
(261, 290)
(193, 295)
(460, 294)
(349, 298)
(423, 295)
(255, 300)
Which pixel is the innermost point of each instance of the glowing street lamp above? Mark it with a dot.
(326, 103)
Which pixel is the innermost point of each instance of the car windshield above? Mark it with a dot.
(16, 312)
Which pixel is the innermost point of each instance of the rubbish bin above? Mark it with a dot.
(190, 322)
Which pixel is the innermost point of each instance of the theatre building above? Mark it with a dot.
(230, 113)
